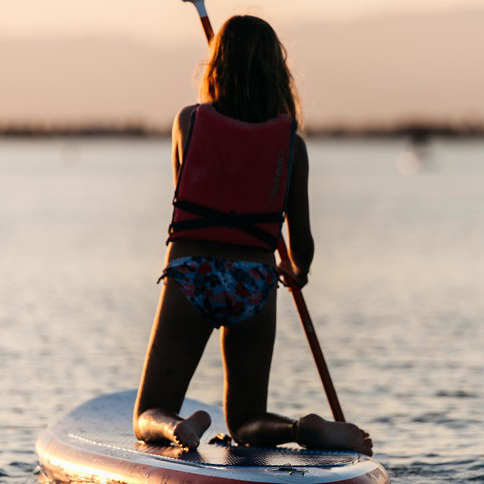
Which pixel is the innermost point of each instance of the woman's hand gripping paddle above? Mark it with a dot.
(290, 281)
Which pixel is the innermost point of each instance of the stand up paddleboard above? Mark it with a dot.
(95, 443)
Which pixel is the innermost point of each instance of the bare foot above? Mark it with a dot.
(312, 431)
(187, 433)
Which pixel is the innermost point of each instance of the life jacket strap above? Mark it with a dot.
(210, 217)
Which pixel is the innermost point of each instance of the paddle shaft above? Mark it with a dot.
(202, 12)
(311, 337)
(290, 283)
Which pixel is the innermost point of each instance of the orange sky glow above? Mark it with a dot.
(355, 61)
(164, 20)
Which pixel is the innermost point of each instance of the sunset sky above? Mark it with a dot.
(125, 59)
(165, 20)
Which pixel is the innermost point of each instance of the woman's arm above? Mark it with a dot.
(179, 136)
(301, 245)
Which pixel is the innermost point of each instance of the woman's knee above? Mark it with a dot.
(248, 431)
(137, 425)
(235, 428)
(241, 420)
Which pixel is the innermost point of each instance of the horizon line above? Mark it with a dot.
(416, 129)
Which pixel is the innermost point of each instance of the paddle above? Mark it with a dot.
(311, 336)
(207, 26)
(290, 282)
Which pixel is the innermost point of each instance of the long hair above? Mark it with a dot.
(247, 76)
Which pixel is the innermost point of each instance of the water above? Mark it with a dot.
(395, 293)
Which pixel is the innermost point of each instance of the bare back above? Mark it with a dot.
(301, 243)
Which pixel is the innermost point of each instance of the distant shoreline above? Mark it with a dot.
(418, 132)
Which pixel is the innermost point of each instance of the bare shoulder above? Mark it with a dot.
(181, 124)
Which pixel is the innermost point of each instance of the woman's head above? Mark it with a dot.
(247, 76)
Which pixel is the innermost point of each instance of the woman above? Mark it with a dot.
(239, 168)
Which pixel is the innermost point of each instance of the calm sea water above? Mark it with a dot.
(396, 293)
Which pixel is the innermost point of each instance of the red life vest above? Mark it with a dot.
(233, 182)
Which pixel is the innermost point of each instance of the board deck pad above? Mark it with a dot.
(102, 429)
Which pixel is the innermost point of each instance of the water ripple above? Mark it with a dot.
(395, 294)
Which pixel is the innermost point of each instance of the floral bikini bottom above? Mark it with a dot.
(225, 292)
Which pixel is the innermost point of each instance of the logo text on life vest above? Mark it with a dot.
(277, 177)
